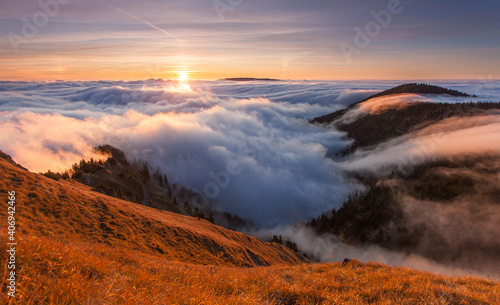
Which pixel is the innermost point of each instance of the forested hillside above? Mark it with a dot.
(372, 129)
(444, 208)
(426, 212)
(412, 88)
(136, 181)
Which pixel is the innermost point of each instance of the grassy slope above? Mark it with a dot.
(81, 247)
(59, 273)
(70, 212)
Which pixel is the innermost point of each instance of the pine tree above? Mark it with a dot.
(145, 172)
(187, 208)
(211, 218)
(313, 223)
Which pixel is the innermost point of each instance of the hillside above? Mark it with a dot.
(446, 210)
(443, 208)
(57, 273)
(73, 213)
(78, 246)
(136, 181)
(412, 88)
(374, 128)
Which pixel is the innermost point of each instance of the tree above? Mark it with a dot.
(198, 213)
(65, 175)
(145, 172)
(290, 244)
(211, 218)
(187, 208)
(51, 175)
(169, 192)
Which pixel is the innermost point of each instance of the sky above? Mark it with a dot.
(195, 39)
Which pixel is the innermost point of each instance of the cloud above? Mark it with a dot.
(194, 133)
(47, 141)
(464, 231)
(328, 248)
(448, 138)
(246, 145)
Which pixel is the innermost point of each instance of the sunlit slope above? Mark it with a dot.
(70, 212)
(61, 273)
(76, 246)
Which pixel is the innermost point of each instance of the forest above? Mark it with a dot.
(396, 211)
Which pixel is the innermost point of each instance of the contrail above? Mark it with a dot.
(143, 21)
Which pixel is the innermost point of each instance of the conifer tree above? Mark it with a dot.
(187, 208)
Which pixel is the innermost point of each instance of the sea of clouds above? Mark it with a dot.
(246, 146)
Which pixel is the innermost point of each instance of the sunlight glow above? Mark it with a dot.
(181, 88)
(183, 76)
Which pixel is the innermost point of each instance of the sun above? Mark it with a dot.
(183, 76)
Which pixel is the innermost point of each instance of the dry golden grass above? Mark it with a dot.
(76, 246)
(83, 273)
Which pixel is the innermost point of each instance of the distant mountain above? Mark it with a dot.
(417, 88)
(250, 79)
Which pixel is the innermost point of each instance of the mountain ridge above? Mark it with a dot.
(415, 88)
